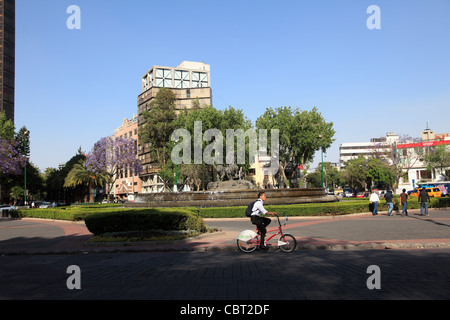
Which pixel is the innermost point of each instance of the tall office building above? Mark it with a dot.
(7, 56)
(189, 81)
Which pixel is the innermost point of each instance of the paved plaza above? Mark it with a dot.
(260, 276)
(337, 259)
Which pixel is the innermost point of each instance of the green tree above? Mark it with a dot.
(55, 179)
(331, 174)
(16, 193)
(379, 171)
(438, 158)
(7, 128)
(12, 158)
(159, 125)
(314, 179)
(212, 118)
(364, 173)
(79, 175)
(301, 134)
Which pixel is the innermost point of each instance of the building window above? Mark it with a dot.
(181, 79)
(424, 174)
(147, 81)
(199, 80)
(163, 78)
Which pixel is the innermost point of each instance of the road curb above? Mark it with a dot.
(300, 247)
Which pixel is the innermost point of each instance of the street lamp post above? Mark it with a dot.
(25, 166)
(321, 151)
(175, 188)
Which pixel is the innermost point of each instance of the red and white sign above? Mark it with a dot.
(422, 144)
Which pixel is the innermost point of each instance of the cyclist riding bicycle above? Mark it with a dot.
(261, 222)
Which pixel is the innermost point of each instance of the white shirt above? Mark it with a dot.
(374, 198)
(258, 208)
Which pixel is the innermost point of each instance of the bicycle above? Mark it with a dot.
(248, 240)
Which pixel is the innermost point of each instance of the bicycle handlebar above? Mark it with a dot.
(285, 221)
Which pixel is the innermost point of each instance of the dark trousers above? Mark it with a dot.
(261, 223)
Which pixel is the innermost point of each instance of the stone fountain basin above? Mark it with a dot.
(230, 198)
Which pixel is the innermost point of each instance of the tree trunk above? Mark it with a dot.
(91, 196)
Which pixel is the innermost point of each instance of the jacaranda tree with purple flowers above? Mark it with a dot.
(11, 160)
(109, 155)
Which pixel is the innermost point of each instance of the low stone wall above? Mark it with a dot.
(205, 199)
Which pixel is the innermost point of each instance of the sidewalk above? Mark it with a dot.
(350, 232)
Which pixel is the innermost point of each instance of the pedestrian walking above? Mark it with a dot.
(404, 202)
(374, 199)
(389, 197)
(424, 198)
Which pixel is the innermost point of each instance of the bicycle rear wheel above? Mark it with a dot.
(247, 246)
(291, 243)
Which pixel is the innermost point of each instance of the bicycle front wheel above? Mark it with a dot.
(247, 246)
(287, 243)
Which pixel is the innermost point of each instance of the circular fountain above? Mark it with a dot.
(230, 198)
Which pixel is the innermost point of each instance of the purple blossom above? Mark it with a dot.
(109, 154)
(11, 161)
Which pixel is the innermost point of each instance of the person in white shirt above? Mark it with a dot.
(261, 222)
(374, 199)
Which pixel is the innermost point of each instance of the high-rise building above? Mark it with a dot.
(190, 81)
(7, 57)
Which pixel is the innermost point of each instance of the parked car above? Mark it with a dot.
(348, 195)
(60, 203)
(44, 204)
(5, 209)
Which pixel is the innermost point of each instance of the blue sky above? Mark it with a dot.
(74, 87)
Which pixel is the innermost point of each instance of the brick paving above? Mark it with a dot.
(360, 231)
(330, 263)
(302, 275)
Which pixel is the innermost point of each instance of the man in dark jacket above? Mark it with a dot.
(424, 198)
(389, 197)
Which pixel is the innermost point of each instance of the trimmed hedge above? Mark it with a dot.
(144, 220)
(72, 213)
(307, 209)
(318, 209)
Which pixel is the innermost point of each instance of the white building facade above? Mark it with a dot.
(411, 156)
(353, 150)
(408, 154)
